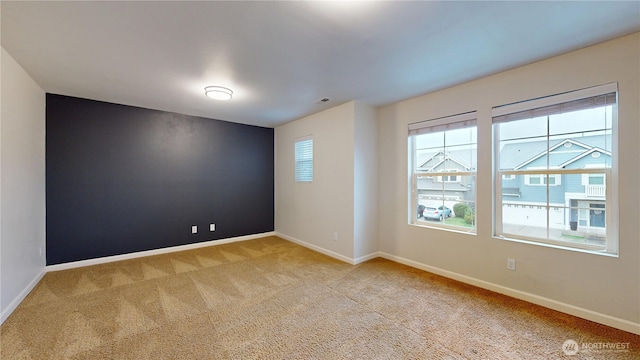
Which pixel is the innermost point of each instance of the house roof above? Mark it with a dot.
(584, 154)
(461, 157)
(519, 155)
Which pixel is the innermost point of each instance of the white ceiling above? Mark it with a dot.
(281, 57)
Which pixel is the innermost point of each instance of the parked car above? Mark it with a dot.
(432, 213)
(445, 211)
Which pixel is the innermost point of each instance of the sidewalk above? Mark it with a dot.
(554, 234)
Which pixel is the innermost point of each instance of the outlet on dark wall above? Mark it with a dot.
(122, 179)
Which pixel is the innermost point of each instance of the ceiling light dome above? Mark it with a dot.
(218, 92)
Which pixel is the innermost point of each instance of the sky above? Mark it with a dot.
(575, 124)
(568, 125)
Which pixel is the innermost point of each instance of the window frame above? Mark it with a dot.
(611, 246)
(449, 123)
(304, 143)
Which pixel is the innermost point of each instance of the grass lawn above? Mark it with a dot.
(573, 238)
(456, 221)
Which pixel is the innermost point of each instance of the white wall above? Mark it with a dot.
(343, 197)
(312, 212)
(22, 184)
(365, 185)
(603, 288)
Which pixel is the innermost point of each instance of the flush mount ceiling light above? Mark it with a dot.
(218, 92)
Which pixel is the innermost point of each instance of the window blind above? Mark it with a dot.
(441, 124)
(556, 104)
(304, 159)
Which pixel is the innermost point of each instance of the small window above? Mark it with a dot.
(304, 159)
(450, 178)
(542, 180)
(443, 160)
(596, 179)
(593, 179)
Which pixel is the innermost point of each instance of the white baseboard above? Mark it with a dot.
(139, 254)
(4, 315)
(319, 249)
(604, 319)
(76, 264)
(368, 257)
(600, 318)
(587, 314)
(330, 253)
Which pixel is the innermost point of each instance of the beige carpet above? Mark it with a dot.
(272, 299)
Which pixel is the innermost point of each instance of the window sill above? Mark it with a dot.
(439, 226)
(557, 246)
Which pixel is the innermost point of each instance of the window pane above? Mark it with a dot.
(465, 217)
(524, 129)
(526, 220)
(582, 122)
(573, 213)
(460, 137)
(461, 157)
(587, 223)
(580, 134)
(446, 203)
(518, 153)
(430, 141)
(304, 160)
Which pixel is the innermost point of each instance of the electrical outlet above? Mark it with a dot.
(335, 236)
(212, 227)
(194, 229)
(511, 264)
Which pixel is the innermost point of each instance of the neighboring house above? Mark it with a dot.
(574, 198)
(450, 188)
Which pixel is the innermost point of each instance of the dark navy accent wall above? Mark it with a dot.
(122, 179)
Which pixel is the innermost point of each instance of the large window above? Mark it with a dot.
(442, 155)
(304, 159)
(558, 154)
